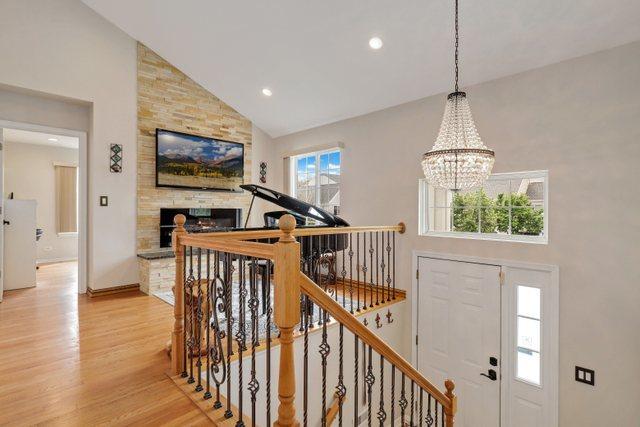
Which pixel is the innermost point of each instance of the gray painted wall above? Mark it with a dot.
(580, 119)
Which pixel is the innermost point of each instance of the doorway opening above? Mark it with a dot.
(43, 207)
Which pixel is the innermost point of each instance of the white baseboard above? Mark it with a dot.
(55, 260)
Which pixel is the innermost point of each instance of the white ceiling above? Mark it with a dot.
(314, 55)
(39, 138)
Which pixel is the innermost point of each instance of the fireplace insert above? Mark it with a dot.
(199, 220)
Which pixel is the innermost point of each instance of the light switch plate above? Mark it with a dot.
(584, 375)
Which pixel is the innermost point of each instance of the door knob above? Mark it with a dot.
(492, 375)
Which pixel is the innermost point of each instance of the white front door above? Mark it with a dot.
(458, 319)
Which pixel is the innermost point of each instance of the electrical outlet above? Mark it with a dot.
(584, 375)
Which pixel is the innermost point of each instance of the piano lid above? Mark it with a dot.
(294, 205)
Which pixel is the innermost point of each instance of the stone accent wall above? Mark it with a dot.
(168, 99)
(156, 275)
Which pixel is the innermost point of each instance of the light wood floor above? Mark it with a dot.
(69, 360)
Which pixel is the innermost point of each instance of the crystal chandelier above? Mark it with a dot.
(458, 160)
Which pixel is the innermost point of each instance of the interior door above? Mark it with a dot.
(458, 323)
(20, 241)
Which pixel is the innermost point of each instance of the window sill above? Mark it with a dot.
(537, 240)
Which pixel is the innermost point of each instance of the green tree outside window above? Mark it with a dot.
(493, 215)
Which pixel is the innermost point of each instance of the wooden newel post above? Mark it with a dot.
(287, 316)
(177, 335)
(451, 410)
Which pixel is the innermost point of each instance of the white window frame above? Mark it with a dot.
(293, 174)
(423, 217)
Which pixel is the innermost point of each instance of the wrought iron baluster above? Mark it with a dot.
(229, 315)
(198, 327)
(388, 248)
(393, 394)
(364, 270)
(358, 266)
(268, 356)
(429, 418)
(436, 420)
(218, 367)
(370, 380)
(413, 405)
(305, 364)
(253, 385)
(382, 414)
(241, 333)
(378, 274)
(371, 275)
(341, 390)
(304, 267)
(325, 349)
(351, 271)
(207, 324)
(394, 264)
(382, 267)
(191, 342)
(344, 271)
(403, 402)
(333, 264)
(356, 351)
(420, 407)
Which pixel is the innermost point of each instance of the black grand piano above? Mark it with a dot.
(306, 215)
(315, 251)
(299, 209)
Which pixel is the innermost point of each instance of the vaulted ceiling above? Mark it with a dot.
(315, 57)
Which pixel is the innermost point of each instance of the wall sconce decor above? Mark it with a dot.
(389, 316)
(263, 172)
(115, 154)
(378, 321)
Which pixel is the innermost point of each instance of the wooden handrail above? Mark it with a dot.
(326, 302)
(232, 246)
(311, 231)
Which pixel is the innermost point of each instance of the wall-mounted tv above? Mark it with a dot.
(198, 162)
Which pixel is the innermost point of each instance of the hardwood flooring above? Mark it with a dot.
(69, 360)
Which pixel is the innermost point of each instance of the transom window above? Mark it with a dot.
(509, 206)
(315, 178)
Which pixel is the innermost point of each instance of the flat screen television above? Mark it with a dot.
(198, 162)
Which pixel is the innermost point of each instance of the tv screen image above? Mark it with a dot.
(198, 162)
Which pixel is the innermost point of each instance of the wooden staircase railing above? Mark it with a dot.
(310, 279)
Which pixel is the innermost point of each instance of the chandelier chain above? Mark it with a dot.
(457, 44)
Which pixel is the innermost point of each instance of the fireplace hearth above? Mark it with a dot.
(199, 220)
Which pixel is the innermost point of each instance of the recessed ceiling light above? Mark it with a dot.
(267, 92)
(53, 139)
(375, 43)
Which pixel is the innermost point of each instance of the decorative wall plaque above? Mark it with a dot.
(116, 158)
(263, 172)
